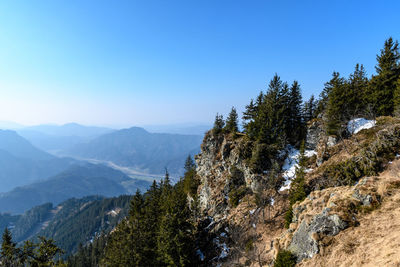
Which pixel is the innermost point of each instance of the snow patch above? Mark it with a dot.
(358, 124)
(291, 163)
(310, 153)
(200, 254)
(289, 167)
(272, 201)
(224, 248)
(252, 211)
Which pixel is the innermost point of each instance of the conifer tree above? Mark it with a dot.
(309, 110)
(46, 252)
(357, 100)
(231, 125)
(219, 124)
(295, 128)
(337, 105)
(151, 220)
(175, 238)
(8, 250)
(190, 180)
(383, 85)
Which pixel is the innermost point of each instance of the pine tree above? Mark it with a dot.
(189, 164)
(175, 238)
(295, 127)
(219, 124)
(309, 110)
(151, 222)
(190, 180)
(46, 252)
(357, 92)
(231, 125)
(337, 105)
(273, 113)
(383, 85)
(8, 250)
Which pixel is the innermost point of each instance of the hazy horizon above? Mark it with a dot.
(170, 62)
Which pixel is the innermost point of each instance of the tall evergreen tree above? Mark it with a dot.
(8, 250)
(357, 92)
(309, 109)
(231, 125)
(151, 221)
(383, 85)
(219, 124)
(175, 238)
(337, 105)
(295, 129)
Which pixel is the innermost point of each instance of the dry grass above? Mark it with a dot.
(376, 241)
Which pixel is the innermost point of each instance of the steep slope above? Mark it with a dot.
(21, 163)
(72, 222)
(77, 181)
(11, 142)
(374, 241)
(353, 191)
(137, 148)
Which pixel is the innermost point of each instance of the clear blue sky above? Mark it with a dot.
(158, 62)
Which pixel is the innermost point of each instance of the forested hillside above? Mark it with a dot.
(77, 181)
(69, 224)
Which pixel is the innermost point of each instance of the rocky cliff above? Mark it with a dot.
(349, 181)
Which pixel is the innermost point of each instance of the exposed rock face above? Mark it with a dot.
(303, 244)
(315, 132)
(218, 165)
(325, 213)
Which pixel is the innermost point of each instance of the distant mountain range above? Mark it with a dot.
(137, 148)
(181, 128)
(57, 138)
(76, 181)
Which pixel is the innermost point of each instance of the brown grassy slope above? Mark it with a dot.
(376, 241)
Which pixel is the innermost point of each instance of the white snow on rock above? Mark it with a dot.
(200, 254)
(224, 248)
(310, 153)
(289, 167)
(290, 164)
(358, 124)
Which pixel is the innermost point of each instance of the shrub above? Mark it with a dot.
(236, 194)
(288, 217)
(285, 258)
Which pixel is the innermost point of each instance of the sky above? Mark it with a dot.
(125, 63)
